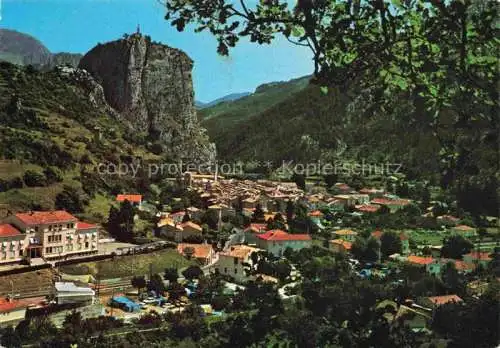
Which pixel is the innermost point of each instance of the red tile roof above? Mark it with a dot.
(483, 256)
(84, 226)
(464, 266)
(201, 251)
(419, 260)
(130, 198)
(279, 235)
(346, 245)
(8, 306)
(256, 228)
(386, 201)
(7, 230)
(441, 300)
(448, 217)
(192, 225)
(345, 233)
(315, 213)
(378, 235)
(45, 217)
(464, 228)
(368, 208)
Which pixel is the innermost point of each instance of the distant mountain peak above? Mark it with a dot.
(24, 49)
(227, 98)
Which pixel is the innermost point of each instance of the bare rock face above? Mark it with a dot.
(150, 86)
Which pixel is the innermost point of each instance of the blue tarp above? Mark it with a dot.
(126, 304)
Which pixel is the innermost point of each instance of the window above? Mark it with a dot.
(86, 245)
(50, 227)
(48, 250)
(36, 228)
(235, 271)
(225, 269)
(55, 238)
(235, 260)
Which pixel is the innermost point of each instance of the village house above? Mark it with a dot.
(235, 262)
(475, 257)
(12, 244)
(447, 220)
(68, 292)
(13, 311)
(435, 301)
(341, 188)
(392, 204)
(179, 231)
(372, 192)
(348, 235)
(277, 241)
(367, 208)
(340, 246)
(134, 199)
(432, 266)
(203, 253)
(464, 230)
(47, 235)
(251, 232)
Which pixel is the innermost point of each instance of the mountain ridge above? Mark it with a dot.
(25, 49)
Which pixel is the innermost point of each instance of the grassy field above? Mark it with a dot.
(98, 208)
(124, 266)
(422, 237)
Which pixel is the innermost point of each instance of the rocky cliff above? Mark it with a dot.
(150, 85)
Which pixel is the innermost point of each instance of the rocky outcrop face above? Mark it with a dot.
(150, 85)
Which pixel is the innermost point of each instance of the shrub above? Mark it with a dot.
(34, 178)
(53, 175)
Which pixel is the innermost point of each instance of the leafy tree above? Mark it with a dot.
(453, 281)
(189, 323)
(455, 247)
(290, 210)
(156, 284)
(282, 270)
(192, 272)
(390, 243)
(188, 252)
(73, 323)
(171, 275)
(186, 217)
(123, 221)
(33, 178)
(138, 282)
(300, 180)
(71, 199)
(175, 292)
(53, 174)
(258, 214)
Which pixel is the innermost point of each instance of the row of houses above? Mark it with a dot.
(45, 235)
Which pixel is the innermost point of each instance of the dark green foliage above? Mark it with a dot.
(171, 275)
(455, 247)
(156, 284)
(53, 175)
(121, 222)
(33, 178)
(71, 199)
(192, 272)
(258, 214)
(138, 282)
(390, 243)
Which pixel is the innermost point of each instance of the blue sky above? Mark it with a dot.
(78, 25)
